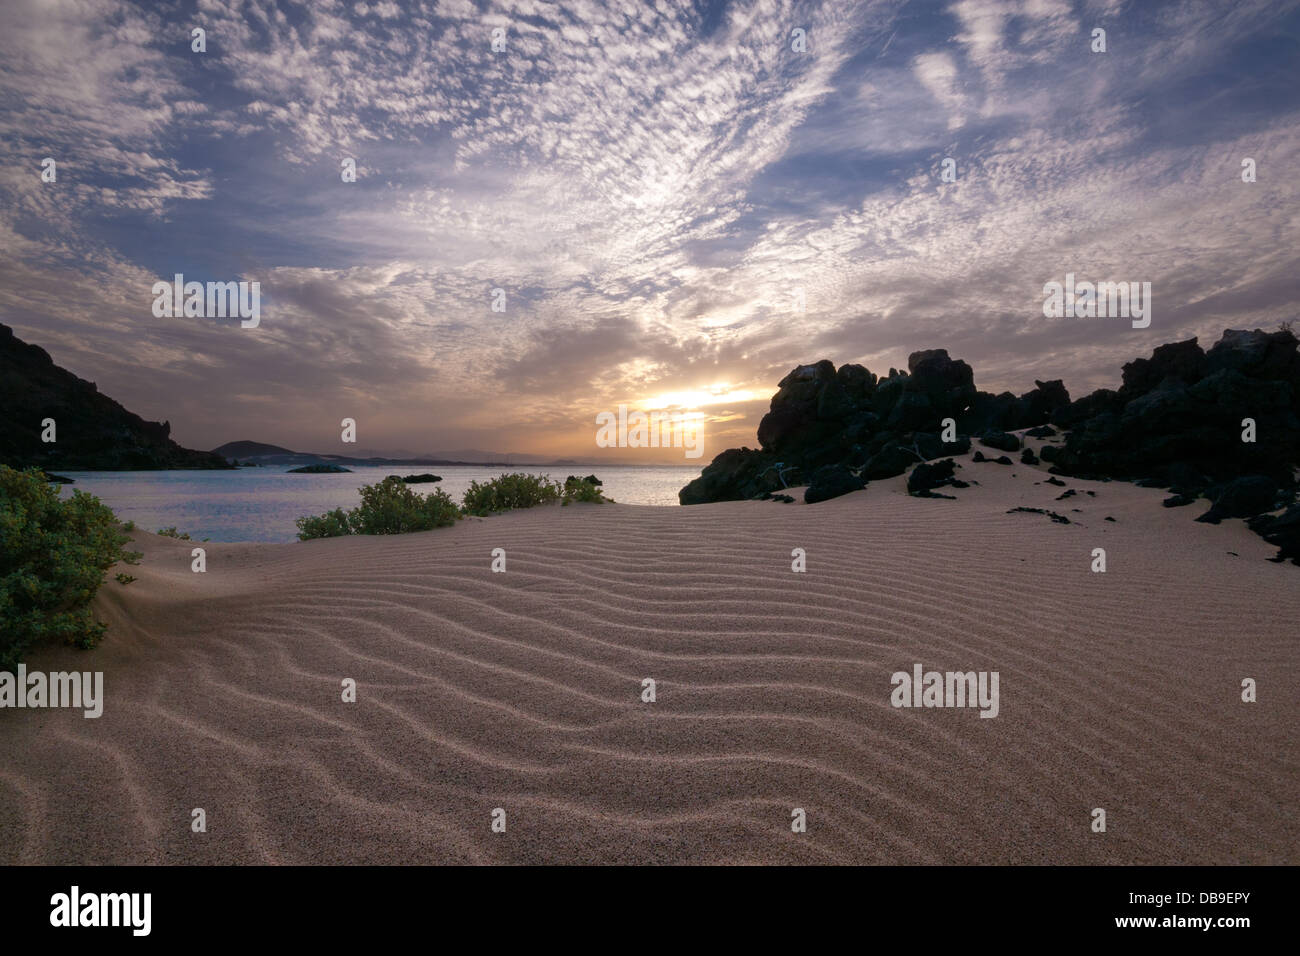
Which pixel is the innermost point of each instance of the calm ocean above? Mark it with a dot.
(261, 504)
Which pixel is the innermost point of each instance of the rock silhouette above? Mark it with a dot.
(93, 432)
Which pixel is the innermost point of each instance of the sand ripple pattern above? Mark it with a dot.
(522, 690)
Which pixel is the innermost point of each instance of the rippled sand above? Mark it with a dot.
(522, 691)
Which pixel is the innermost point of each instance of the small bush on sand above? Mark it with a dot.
(389, 507)
(332, 524)
(53, 556)
(580, 489)
(506, 492)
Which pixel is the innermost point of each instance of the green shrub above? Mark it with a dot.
(580, 489)
(173, 533)
(517, 490)
(53, 556)
(506, 492)
(332, 524)
(125, 579)
(389, 507)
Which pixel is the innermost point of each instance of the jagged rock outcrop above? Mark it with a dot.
(1177, 420)
(93, 432)
(868, 426)
(1181, 419)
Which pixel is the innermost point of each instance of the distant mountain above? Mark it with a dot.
(247, 449)
(261, 453)
(494, 457)
(92, 432)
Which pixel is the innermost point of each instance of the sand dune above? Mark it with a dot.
(522, 691)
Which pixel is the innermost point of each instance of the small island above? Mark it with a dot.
(320, 470)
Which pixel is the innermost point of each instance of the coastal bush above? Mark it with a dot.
(173, 533)
(506, 492)
(388, 507)
(582, 489)
(332, 524)
(53, 556)
(517, 490)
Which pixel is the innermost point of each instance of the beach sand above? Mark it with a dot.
(522, 691)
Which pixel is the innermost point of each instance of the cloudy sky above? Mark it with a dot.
(653, 184)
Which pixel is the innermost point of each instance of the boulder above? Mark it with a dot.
(1282, 531)
(734, 475)
(1000, 440)
(1176, 362)
(1243, 498)
(831, 481)
(925, 477)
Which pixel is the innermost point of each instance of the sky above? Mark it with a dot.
(679, 201)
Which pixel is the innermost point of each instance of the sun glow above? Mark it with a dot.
(700, 398)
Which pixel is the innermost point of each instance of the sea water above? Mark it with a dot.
(261, 504)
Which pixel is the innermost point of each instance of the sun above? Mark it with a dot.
(701, 397)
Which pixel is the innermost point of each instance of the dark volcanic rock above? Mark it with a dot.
(1000, 440)
(1256, 354)
(926, 477)
(94, 433)
(891, 460)
(1178, 419)
(1282, 530)
(1243, 498)
(823, 416)
(1027, 457)
(1177, 501)
(1059, 519)
(734, 475)
(1005, 412)
(1177, 362)
(831, 481)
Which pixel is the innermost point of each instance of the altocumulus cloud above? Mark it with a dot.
(653, 185)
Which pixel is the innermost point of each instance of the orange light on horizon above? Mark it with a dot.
(700, 398)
